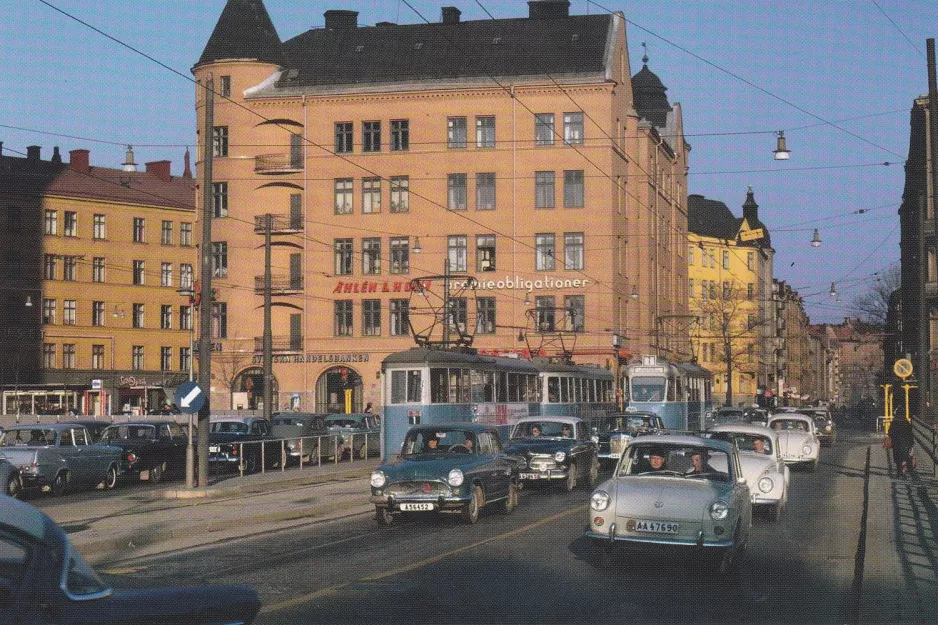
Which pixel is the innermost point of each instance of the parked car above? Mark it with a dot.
(646, 507)
(361, 435)
(43, 579)
(153, 447)
(447, 468)
(797, 439)
(247, 442)
(307, 436)
(824, 424)
(555, 450)
(762, 464)
(10, 479)
(59, 457)
(95, 427)
(614, 432)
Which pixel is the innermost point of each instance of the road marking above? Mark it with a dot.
(276, 607)
(127, 570)
(188, 399)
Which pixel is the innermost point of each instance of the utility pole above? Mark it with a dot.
(205, 310)
(268, 338)
(925, 386)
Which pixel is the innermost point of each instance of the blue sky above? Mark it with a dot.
(795, 65)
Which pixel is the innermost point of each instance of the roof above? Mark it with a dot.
(427, 356)
(651, 101)
(244, 31)
(710, 218)
(681, 440)
(743, 428)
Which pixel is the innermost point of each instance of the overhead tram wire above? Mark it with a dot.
(906, 37)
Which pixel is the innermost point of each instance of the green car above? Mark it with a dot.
(455, 468)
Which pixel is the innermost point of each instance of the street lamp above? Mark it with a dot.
(816, 241)
(782, 153)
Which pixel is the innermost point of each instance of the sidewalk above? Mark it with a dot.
(129, 522)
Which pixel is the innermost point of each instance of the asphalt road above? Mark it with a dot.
(534, 566)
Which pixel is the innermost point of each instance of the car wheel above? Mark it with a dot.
(470, 511)
(110, 478)
(570, 484)
(383, 516)
(594, 474)
(511, 502)
(60, 484)
(156, 474)
(729, 560)
(14, 487)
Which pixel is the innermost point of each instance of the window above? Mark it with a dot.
(97, 313)
(485, 132)
(371, 136)
(97, 356)
(99, 227)
(726, 259)
(544, 313)
(166, 317)
(137, 358)
(71, 224)
(343, 196)
(140, 230)
(458, 314)
(48, 311)
(49, 262)
(166, 233)
(185, 234)
(139, 316)
(166, 359)
(343, 257)
(485, 315)
(219, 320)
(371, 317)
(371, 195)
(371, 256)
(690, 287)
(14, 219)
(544, 129)
(185, 276)
(296, 211)
(400, 320)
(166, 274)
(750, 321)
(713, 289)
(400, 194)
(750, 291)
(69, 268)
(544, 189)
(220, 141)
(343, 318)
(704, 290)
(185, 317)
(68, 356)
(400, 135)
(573, 128)
(185, 358)
(220, 259)
(750, 260)
(406, 389)
(97, 269)
(139, 272)
(573, 188)
(485, 252)
(573, 250)
(50, 225)
(456, 132)
(574, 313)
(485, 191)
(69, 312)
(726, 290)
(219, 199)
(48, 355)
(544, 252)
(224, 88)
(343, 137)
(457, 253)
(457, 196)
(400, 255)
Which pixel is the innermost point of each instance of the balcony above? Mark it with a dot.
(273, 164)
(280, 224)
(280, 285)
(280, 344)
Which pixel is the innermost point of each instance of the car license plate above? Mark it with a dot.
(416, 507)
(656, 527)
(533, 476)
(213, 449)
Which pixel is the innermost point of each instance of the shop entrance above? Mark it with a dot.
(247, 392)
(339, 390)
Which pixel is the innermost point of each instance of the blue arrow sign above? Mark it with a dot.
(190, 397)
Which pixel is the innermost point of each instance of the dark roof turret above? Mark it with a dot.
(244, 31)
(650, 99)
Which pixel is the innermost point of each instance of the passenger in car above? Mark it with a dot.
(758, 445)
(699, 461)
(565, 431)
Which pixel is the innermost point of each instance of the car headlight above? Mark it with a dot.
(827, 428)
(719, 510)
(599, 501)
(378, 479)
(806, 449)
(455, 478)
(766, 484)
(560, 456)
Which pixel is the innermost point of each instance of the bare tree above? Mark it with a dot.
(228, 366)
(872, 305)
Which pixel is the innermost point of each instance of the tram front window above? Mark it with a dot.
(648, 390)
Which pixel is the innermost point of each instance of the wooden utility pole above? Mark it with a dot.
(205, 310)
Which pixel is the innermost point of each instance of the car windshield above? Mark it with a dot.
(726, 416)
(747, 442)
(640, 422)
(129, 432)
(789, 424)
(236, 427)
(438, 441)
(684, 461)
(546, 429)
(29, 436)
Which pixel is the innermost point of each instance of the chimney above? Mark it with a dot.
(32, 156)
(78, 161)
(451, 15)
(160, 169)
(337, 19)
(56, 156)
(750, 209)
(187, 172)
(548, 9)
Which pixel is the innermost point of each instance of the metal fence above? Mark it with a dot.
(306, 451)
(926, 435)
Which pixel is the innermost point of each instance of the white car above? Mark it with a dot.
(762, 463)
(683, 492)
(797, 439)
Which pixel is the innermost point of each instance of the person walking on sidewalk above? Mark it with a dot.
(900, 433)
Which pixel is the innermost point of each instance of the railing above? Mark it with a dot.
(280, 344)
(926, 435)
(279, 224)
(280, 285)
(333, 447)
(284, 163)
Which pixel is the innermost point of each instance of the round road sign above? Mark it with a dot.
(903, 368)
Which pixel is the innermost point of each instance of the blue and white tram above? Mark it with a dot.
(575, 390)
(681, 394)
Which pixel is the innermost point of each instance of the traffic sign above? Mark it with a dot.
(903, 368)
(190, 397)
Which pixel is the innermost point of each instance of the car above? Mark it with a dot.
(59, 457)
(10, 479)
(95, 427)
(797, 439)
(654, 501)
(361, 434)
(154, 448)
(757, 416)
(307, 439)
(43, 579)
(726, 414)
(762, 464)
(554, 450)
(614, 431)
(242, 444)
(824, 424)
(454, 468)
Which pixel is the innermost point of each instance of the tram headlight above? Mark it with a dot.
(378, 479)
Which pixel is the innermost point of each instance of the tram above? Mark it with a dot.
(427, 385)
(680, 393)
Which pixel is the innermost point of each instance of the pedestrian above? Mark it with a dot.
(901, 437)
(369, 409)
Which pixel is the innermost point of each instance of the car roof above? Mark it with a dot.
(546, 419)
(678, 440)
(235, 419)
(23, 517)
(474, 427)
(743, 428)
(142, 423)
(791, 415)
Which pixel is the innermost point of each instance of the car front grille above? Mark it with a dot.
(418, 489)
(542, 463)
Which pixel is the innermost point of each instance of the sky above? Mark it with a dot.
(838, 77)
